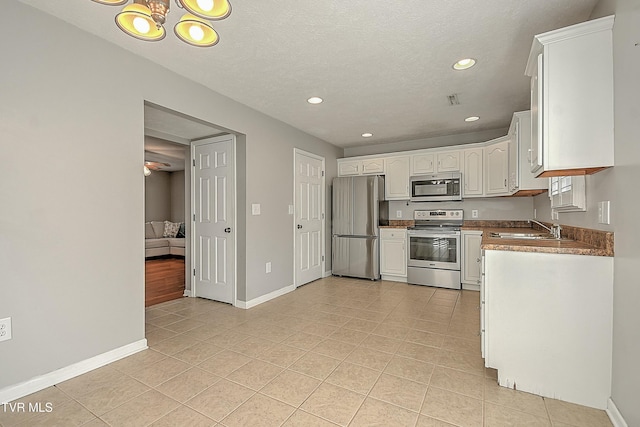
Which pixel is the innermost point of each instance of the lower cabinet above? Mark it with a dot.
(548, 322)
(393, 254)
(471, 259)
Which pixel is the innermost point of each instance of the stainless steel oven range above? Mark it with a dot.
(434, 248)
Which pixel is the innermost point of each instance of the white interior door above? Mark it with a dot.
(213, 218)
(309, 217)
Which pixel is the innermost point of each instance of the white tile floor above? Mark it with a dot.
(335, 352)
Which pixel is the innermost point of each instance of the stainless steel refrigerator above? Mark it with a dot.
(358, 208)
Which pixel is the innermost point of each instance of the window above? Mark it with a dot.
(567, 193)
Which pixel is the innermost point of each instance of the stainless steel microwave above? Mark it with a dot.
(436, 188)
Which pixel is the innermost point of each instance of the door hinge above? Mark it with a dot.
(322, 257)
(323, 216)
(194, 217)
(194, 272)
(194, 162)
(322, 173)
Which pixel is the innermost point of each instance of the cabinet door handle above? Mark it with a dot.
(505, 182)
(478, 260)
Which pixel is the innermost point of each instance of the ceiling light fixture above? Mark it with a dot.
(367, 135)
(472, 119)
(314, 100)
(145, 19)
(464, 64)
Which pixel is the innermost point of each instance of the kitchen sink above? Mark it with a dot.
(531, 236)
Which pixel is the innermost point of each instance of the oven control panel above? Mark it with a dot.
(440, 214)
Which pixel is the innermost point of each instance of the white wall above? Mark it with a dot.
(626, 316)
(176, 184)
(157, 196)
(69, 96)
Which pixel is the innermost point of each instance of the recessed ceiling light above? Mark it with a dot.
(314, 100)
(367, 135)
(464, 64)
(472, 119)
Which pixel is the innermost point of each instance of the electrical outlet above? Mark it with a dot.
(5, 329)
(398, 214)
(603, 212)
(291, 212)
(535, 214)
(474, 213)
(268, 267)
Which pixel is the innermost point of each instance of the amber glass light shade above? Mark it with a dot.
(135, 20)
(196, 31)
(220, 9)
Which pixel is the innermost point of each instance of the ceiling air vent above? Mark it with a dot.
(453, 99)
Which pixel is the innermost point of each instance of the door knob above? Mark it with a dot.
(299, 226)
(227, 230)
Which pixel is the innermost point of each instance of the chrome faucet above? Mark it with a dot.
(555, 230)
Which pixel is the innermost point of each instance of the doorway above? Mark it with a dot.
(181, 130)
(309, 223)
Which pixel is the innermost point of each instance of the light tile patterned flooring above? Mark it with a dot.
(334, 352)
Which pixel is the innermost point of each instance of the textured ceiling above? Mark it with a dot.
(381, 67)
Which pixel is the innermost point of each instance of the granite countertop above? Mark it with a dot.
(576, 240)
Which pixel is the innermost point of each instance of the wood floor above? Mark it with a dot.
(164, 280)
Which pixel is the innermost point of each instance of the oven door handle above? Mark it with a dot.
(423, 234)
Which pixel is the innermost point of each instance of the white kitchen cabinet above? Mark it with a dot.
(548, 324)
(521, 180)
(471, 259)
(572, 99)
(396, 183)
(422, 164)
(496, 170)
(568, 193)
(349, 167)
(361, 167)
(393, 254)
(473, 175)
(372, 166)
(448, 161)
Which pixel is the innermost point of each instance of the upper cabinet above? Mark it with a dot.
(396, 183)
(571, 72)
(448, 161)
(522, 182)
(347, 167)
(423, 164)
(473, 175)
(496, 171)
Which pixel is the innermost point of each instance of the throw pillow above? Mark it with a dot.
(181, 231)
(158, 229)
(148, 231)
(171, 229)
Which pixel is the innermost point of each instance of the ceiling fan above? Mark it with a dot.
(154, 166)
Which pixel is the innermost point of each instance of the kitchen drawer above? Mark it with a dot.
(393, 233)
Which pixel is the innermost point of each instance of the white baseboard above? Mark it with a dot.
(327, 273)
(468, 287)
(267, 297)
(187, 293)
(614, 415)
(41, 382)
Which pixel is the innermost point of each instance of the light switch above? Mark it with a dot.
(291, 210)
(604, 209)
(255, 209)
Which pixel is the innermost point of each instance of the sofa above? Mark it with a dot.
(164, 238)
